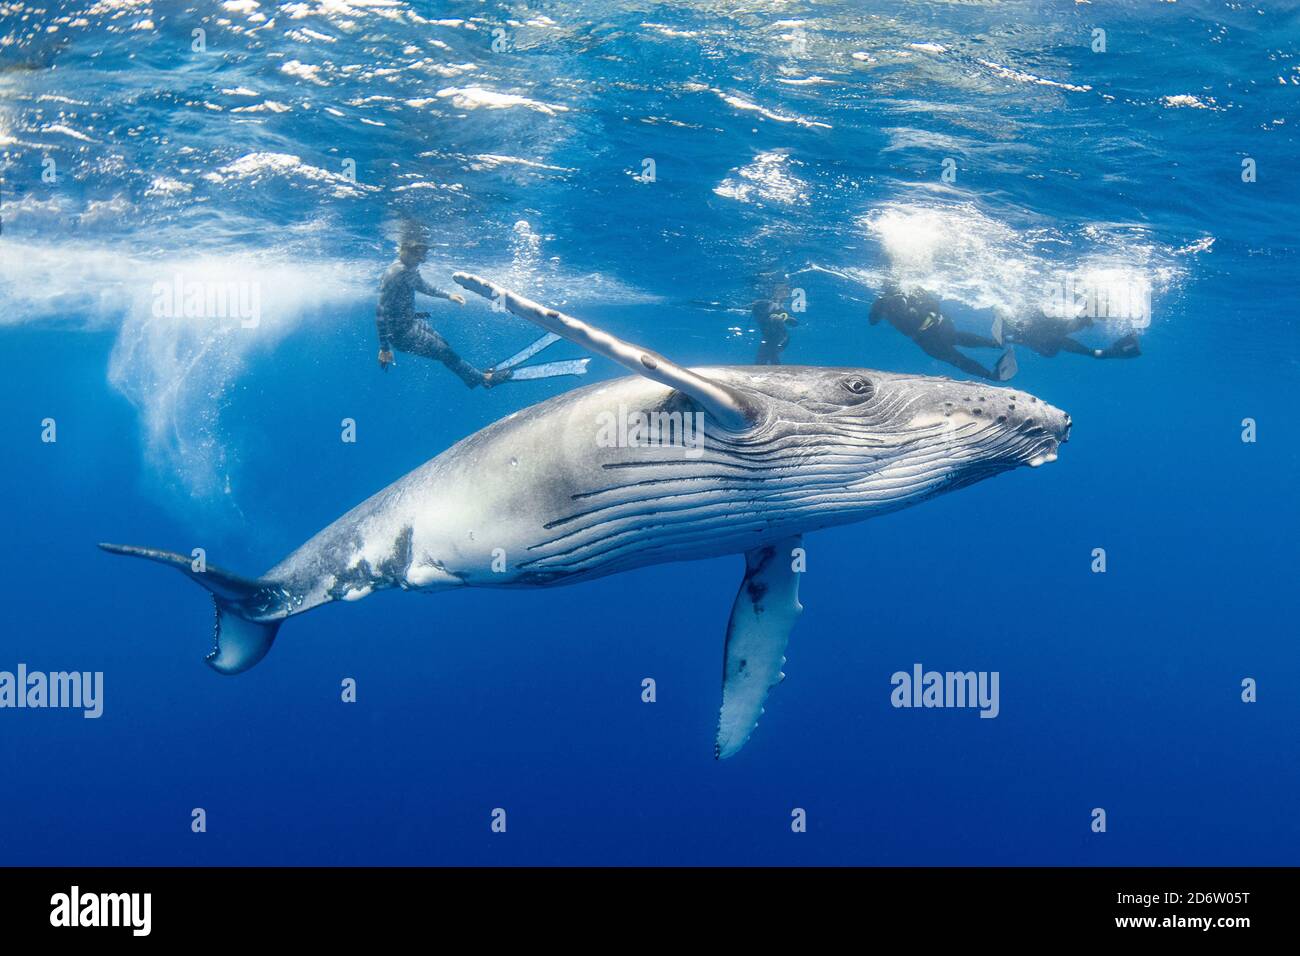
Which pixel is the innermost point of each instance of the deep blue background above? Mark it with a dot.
(1118, 690)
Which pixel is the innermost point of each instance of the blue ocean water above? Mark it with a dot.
(283, 146)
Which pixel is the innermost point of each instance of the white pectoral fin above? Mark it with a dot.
(765, 612)
(725, 404)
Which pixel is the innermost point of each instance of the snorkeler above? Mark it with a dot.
(1047, 335)
(401, 327)
(918, 317)
(773, 324)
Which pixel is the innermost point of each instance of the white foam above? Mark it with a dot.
(954, 251)
(962, 254)
(428, 184)
(1020, 76)
(476, 97)
(269, 106)
(768, 178)
(483, 161)
(165, 186)
(806, 81)
(303, 71)
(67, 131)
(114, 211)
(255, 166)
(346, 9)
(306, 36)
(665, 30)
(177, 371)
(1204, 244)
(1185, 100)
(740, 103)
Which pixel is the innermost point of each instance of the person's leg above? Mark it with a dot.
(782, 340)
(766, 354)
(972, 341)
(1076, 348)
(1036, 340)
(947, 353)
(1126, 347)
(467, 373)
(972, 367)
(419, 339)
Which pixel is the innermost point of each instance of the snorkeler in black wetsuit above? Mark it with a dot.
(773, 324)
(918, 317)
(1048, 335)
(402, 328)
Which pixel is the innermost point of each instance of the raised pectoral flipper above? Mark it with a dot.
(765, 612)
(727, 405)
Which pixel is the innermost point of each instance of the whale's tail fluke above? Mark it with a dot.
(249, 610)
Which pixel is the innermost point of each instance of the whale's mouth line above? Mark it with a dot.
(1046, 449)
(1026, 444)
(1043, 457)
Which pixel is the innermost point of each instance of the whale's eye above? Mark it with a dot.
(858, 386)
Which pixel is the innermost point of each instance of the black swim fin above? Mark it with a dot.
(1126, 347)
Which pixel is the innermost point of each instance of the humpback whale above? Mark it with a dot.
(669, 464)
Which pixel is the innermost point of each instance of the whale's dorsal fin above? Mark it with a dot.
(765, 612)
(725, 404)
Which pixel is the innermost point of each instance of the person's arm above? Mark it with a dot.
(434, 292)
(385, 340)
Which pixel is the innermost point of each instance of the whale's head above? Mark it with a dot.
(895, 439)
